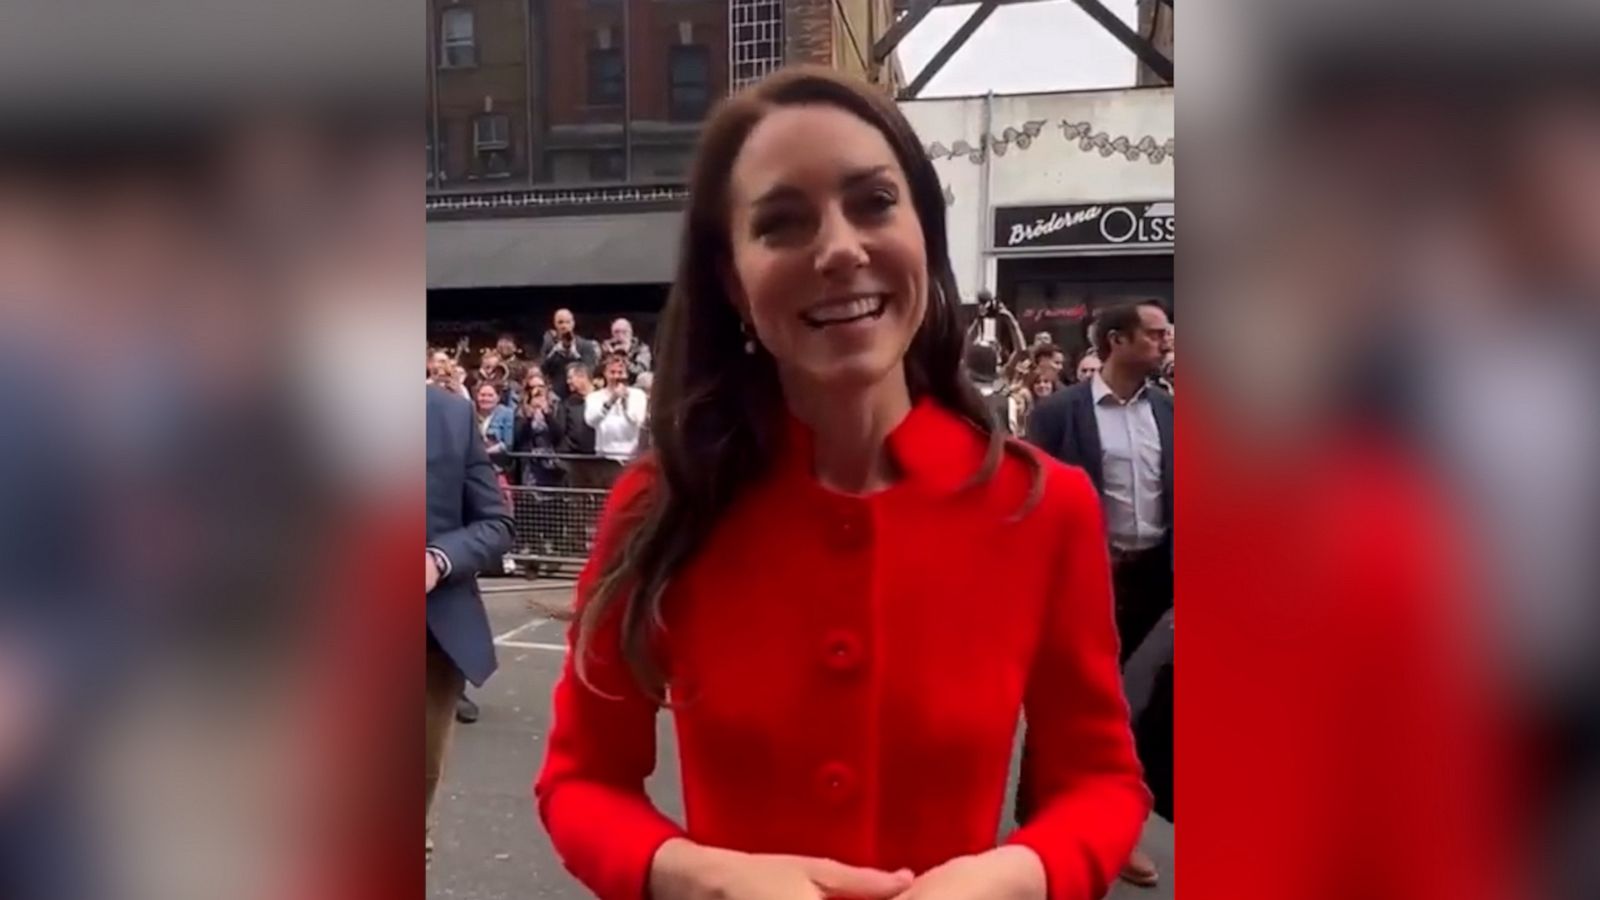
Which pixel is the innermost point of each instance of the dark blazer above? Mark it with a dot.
(573, 434)
(557, 357)
(468, 521)
(1063, 425)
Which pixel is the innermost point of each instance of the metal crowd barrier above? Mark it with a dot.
(554, 525)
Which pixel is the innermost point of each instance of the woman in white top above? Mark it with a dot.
(616, 412)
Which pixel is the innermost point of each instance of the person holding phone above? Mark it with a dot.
(535, 433)
(616, 412)
(563, 347)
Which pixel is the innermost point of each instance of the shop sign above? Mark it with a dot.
(1086, 226)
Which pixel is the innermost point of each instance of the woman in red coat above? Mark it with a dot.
(841, 580)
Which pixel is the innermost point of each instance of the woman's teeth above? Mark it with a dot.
(846, 311)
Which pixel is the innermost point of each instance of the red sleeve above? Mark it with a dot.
(591, 793)
(1086, 780)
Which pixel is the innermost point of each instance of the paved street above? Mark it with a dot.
(489, 844)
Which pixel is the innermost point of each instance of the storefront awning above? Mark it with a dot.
(620, 248)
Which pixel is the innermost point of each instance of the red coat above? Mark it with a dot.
(852, 670)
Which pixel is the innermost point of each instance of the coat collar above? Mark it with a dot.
(935, 449)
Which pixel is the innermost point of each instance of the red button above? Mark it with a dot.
(837, 782)
(841, 651)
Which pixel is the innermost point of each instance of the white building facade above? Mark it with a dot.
(1059, 203)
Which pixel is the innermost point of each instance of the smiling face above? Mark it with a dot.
(487, 397)
(829, 262)
(616, 373)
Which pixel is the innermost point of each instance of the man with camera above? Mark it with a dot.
(562, 348)
(997, 327)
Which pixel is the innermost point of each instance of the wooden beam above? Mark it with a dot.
(984, 10)
(891, 39)
(1158, 62)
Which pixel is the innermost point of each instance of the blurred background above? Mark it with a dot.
(1393, 296)
(211, 271)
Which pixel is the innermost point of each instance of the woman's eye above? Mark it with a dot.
(879, 201)
(775, 225)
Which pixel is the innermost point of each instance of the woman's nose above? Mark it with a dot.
(841, 251)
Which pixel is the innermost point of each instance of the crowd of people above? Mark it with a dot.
(571, 416)
(1032, 372)
(576, 413)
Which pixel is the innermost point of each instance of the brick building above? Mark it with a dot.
(840, 34)
(530, 92)
(559, 134)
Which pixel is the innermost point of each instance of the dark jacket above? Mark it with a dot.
(537, 434)
(1063, 425)
(572, 433)
(557, 357)
(469, 522)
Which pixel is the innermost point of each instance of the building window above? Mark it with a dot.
(605, 76)
(608, 165)
(689, 81)
(755, 32)
(458, 41)
(491, 145)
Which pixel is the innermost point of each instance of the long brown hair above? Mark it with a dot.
(717, 412)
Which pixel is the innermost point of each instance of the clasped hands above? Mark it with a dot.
(683, 870)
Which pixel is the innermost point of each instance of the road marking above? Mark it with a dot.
(526, 587)
(532, 645)
(531, 623)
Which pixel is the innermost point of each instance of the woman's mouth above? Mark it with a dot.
(843, 312)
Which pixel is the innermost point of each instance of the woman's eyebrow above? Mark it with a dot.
(849, 179)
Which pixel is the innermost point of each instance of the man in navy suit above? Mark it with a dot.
(1117, 426)
(468, 531)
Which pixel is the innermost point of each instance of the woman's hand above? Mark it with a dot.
(1004, 873)
(683, 870)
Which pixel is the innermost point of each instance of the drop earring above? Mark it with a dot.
(749, 339)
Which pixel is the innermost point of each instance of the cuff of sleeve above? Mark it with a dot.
(637, 882)
(610, 846)
(1067, 877)
(442, 561)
